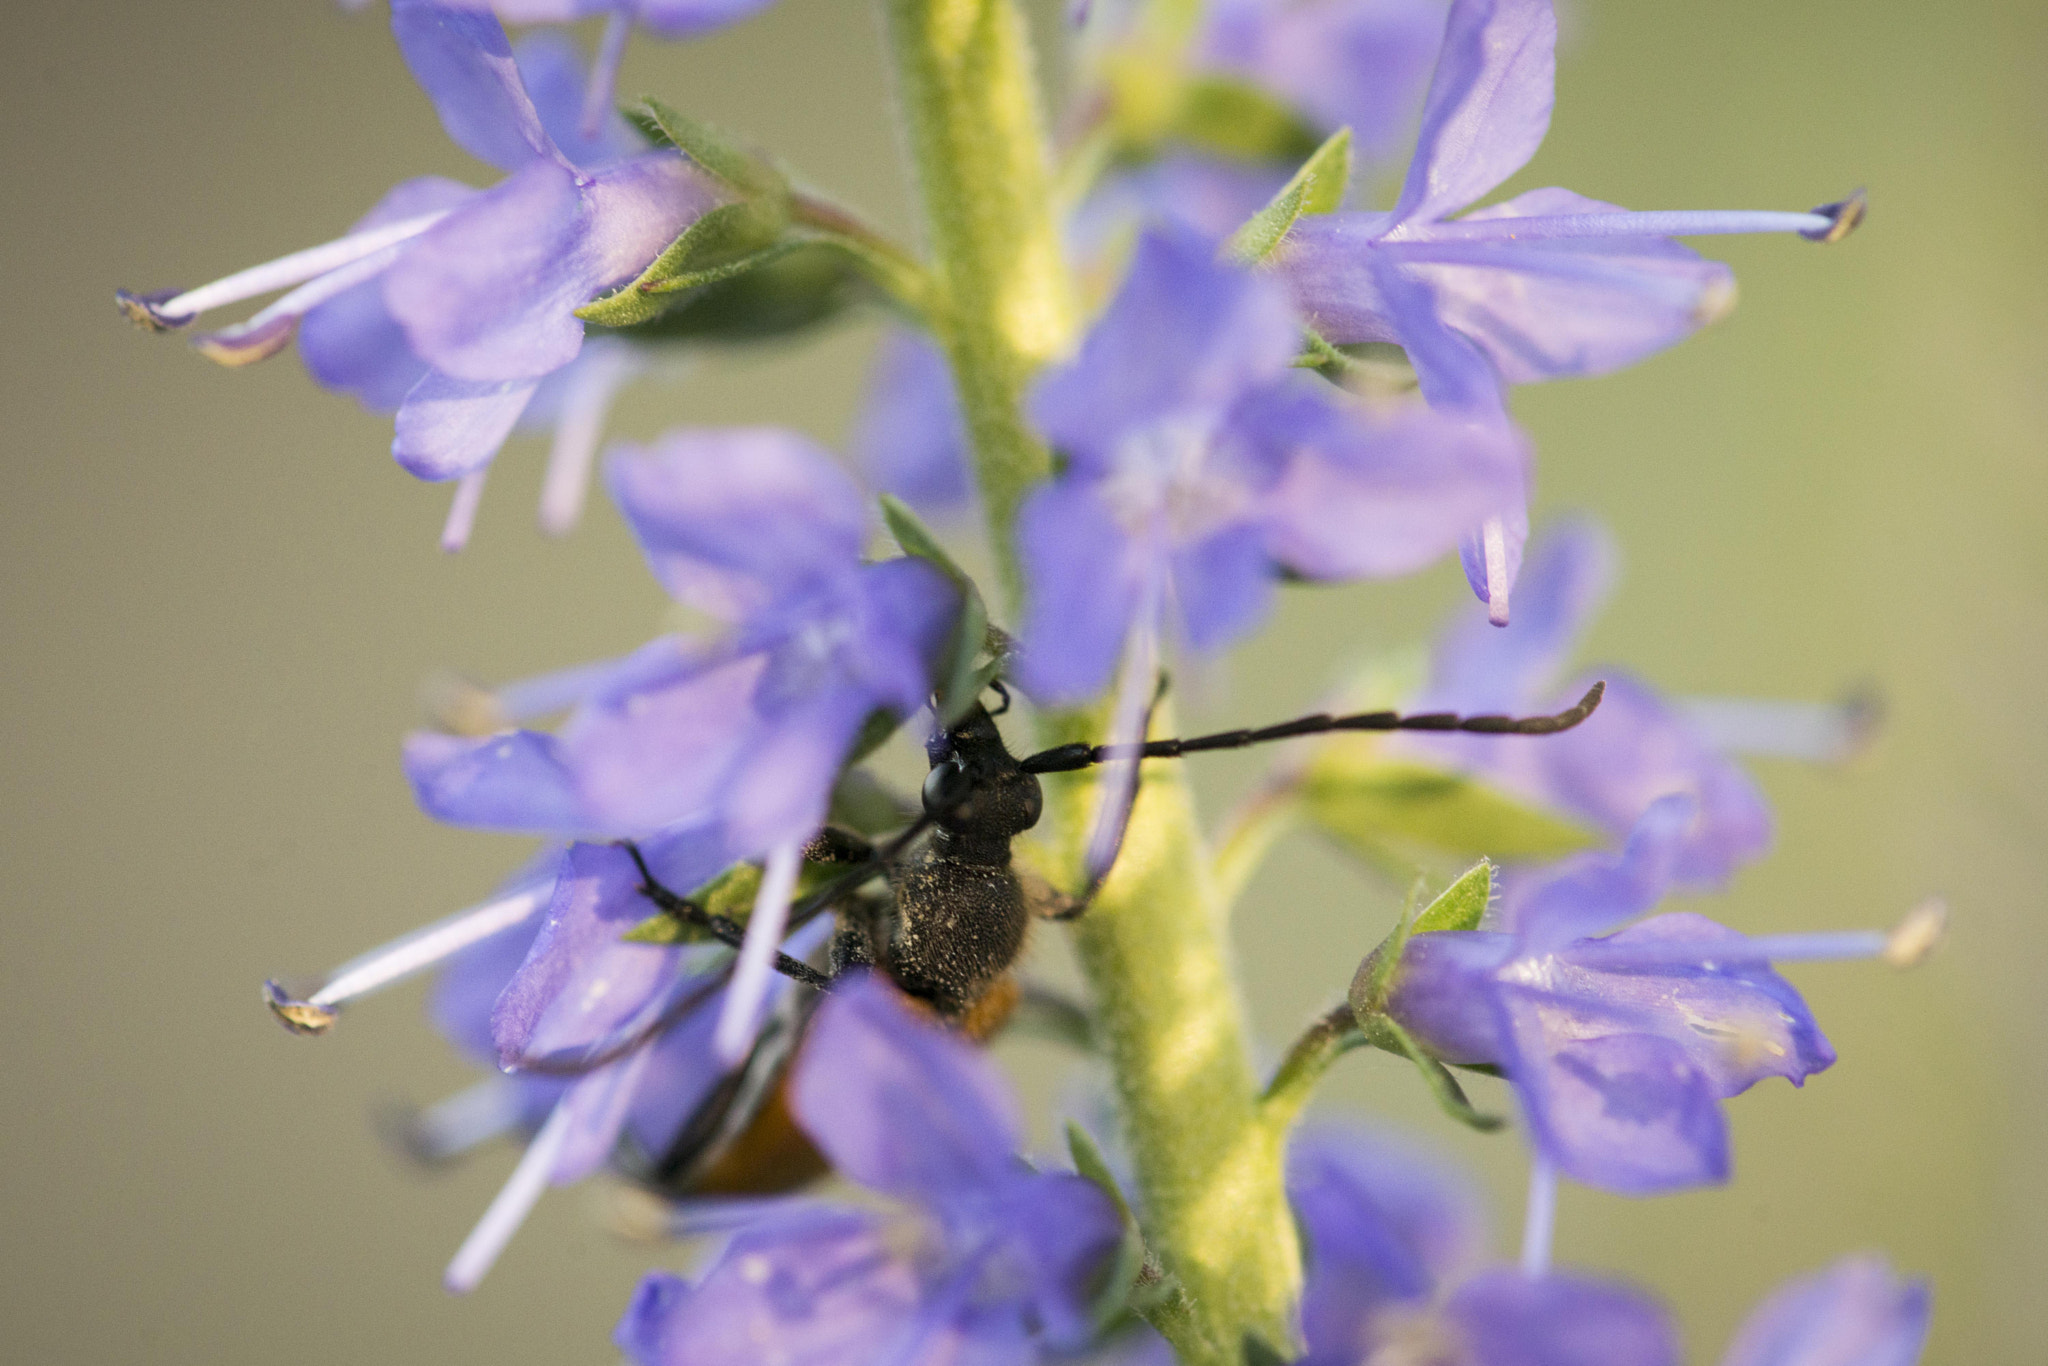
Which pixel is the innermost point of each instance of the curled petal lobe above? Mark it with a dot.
(873, 1071)
(1595, 892)
(515, 782)
(1479, 667)
(1488, 105)
(351, 344)
(638, 1334)
(1624, 1112)
(730, 518)
(465, 64)
(447, 428)
(1854, 1313)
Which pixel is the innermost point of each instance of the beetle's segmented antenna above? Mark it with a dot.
(1067, 758)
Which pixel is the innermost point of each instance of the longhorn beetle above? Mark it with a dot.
(950, 929)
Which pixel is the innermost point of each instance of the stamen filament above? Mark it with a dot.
(405, 956)
(1119, 784)
(287, 271)
(456, 1124)
(508, 1210)
(604, 72)
(1539, 1224)
(578, 427)
(260, 335)
(740, 1018)
(1493, 537)
(469, 493)
(1904, 945)
(1813, 732)
(1664, 223)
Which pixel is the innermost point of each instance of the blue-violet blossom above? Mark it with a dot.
(1621, 1047)
(973, 1256)
(452, 306)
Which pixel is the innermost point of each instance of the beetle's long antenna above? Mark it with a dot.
(1066, 758)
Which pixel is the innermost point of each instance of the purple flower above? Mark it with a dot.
(1546, 285)
(1620, 1047)
(1854, 1313)
(1395, 1246)
(970, 1256)
(1636, 748)
(744, 734)
(451, 306)
(1199, 466)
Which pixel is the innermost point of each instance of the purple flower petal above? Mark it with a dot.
(638, 1334)
(688, 18)
(873, 1071)
(1222, 587)
(1555, 308)
(1180, 341)
(1087, 577)
(1366, 495)
(465, 65)
(1854, 1313)
(1624, 1112)
(552, 70)
(1450, 369)
(490, 292)
(911, 437)
(653, 756)
(1595, 892)
(1059, 1231)
(1178, 193)
(1508, 1319)
(449, 427)
(1488, 105)
(514, 782)
(732, 518)
(1383, 1222)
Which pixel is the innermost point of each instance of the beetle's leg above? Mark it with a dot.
(1048, 902)
(725, 930)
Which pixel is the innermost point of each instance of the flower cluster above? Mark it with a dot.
(742, 961)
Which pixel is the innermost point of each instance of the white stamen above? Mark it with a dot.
(1119, 785)
(1493, 539)
(454, 1125)
(412, 953)
(514, 1201)
(296, 268)
(578, 427)
(469, 492)
(1916, 937)
(1540, 1223)
(229, 345)
(740, 1019)
(1813, 732)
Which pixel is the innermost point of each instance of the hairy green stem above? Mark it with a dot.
(1002, 302)
(1155, 946)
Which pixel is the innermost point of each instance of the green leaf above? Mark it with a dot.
(730, 240)
(1318, 187)
(1378, 806)
(1461, 905)
(1115, 1294)
(1241, 120)
(711, 147)
(963, 680)
(1450, 1097)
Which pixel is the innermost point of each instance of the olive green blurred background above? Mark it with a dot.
(221, 596)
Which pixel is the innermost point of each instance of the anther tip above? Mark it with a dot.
(1862, 710)
(1843, 215)
(146, 312)
(460, 706)
(1497, 609)
(238, 346)
(635, 1215)
(1914, 939)
(300, 1017)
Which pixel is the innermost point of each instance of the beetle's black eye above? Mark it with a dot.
(946, 789)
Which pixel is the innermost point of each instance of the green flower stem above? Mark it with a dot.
(1155, 950)
(1251, 835)
(1322, 1043)
(1154, 947)
(1001, 301)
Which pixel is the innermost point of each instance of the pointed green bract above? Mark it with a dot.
(1460, 906)
(1450, 1097)
(1318, 187)
(711, 147)
(729, 240)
